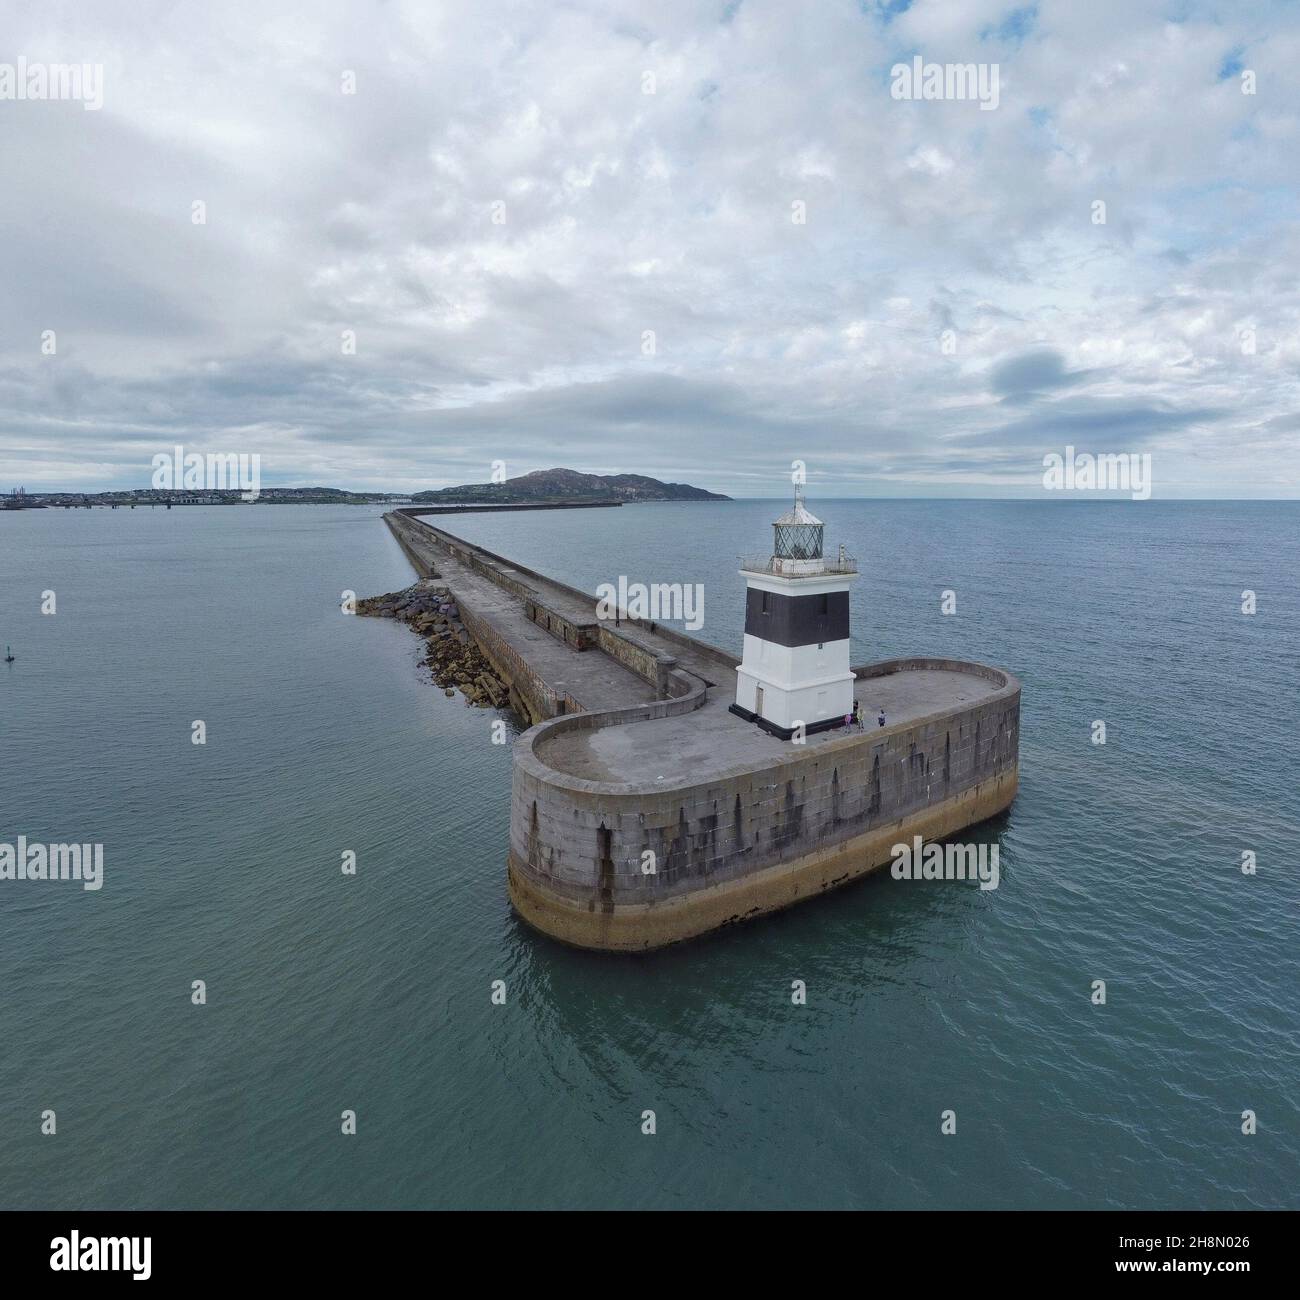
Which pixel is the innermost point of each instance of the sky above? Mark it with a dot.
(695, 240)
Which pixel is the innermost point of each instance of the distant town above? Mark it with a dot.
(20, 499)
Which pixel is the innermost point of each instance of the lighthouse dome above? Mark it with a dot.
(798, 514)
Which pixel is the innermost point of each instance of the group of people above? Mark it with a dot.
(855, 719)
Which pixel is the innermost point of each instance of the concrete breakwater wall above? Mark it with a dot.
(490, 507)
(576, 625)
(406, 538)
(747, 841)
(530, 695)
(583, 631)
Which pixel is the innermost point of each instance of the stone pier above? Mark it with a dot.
(644, 812)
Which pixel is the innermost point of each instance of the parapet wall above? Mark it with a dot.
(540, 700)
(583, 842)
(642, 660)
(920, 665)
(398, 526)
(722, 661)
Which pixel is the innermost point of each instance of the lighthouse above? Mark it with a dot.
(795, 670)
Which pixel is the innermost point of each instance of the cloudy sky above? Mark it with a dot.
(502, 216)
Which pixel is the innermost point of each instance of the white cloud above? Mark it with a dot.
(626, 212)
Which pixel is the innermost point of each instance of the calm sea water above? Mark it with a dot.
(1120, 862)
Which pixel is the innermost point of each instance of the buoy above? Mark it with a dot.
(9, 658)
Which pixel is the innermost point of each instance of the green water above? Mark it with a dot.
(328, 992)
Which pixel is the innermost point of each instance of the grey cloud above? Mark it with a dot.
(1033, 373)
(1095, 424)
(628, 214)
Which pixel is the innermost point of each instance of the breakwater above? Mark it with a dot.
(644, 812)
(454, 659)
(487, 507)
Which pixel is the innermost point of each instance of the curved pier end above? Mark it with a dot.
(639, 827)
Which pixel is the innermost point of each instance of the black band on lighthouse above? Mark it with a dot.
(797, 620)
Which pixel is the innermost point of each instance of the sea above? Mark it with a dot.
(1117, 1025)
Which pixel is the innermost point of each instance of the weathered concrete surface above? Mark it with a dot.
(715, 741)
(638, 927)
(743, 819)
(567, 607)
(640, 764)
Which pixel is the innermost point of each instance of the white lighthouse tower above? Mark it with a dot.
(795, 668)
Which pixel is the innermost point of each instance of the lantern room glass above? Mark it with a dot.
(798, 541)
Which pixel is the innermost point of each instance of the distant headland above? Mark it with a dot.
(568, 485)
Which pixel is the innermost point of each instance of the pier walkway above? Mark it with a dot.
(592, 681)
(658, 749)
